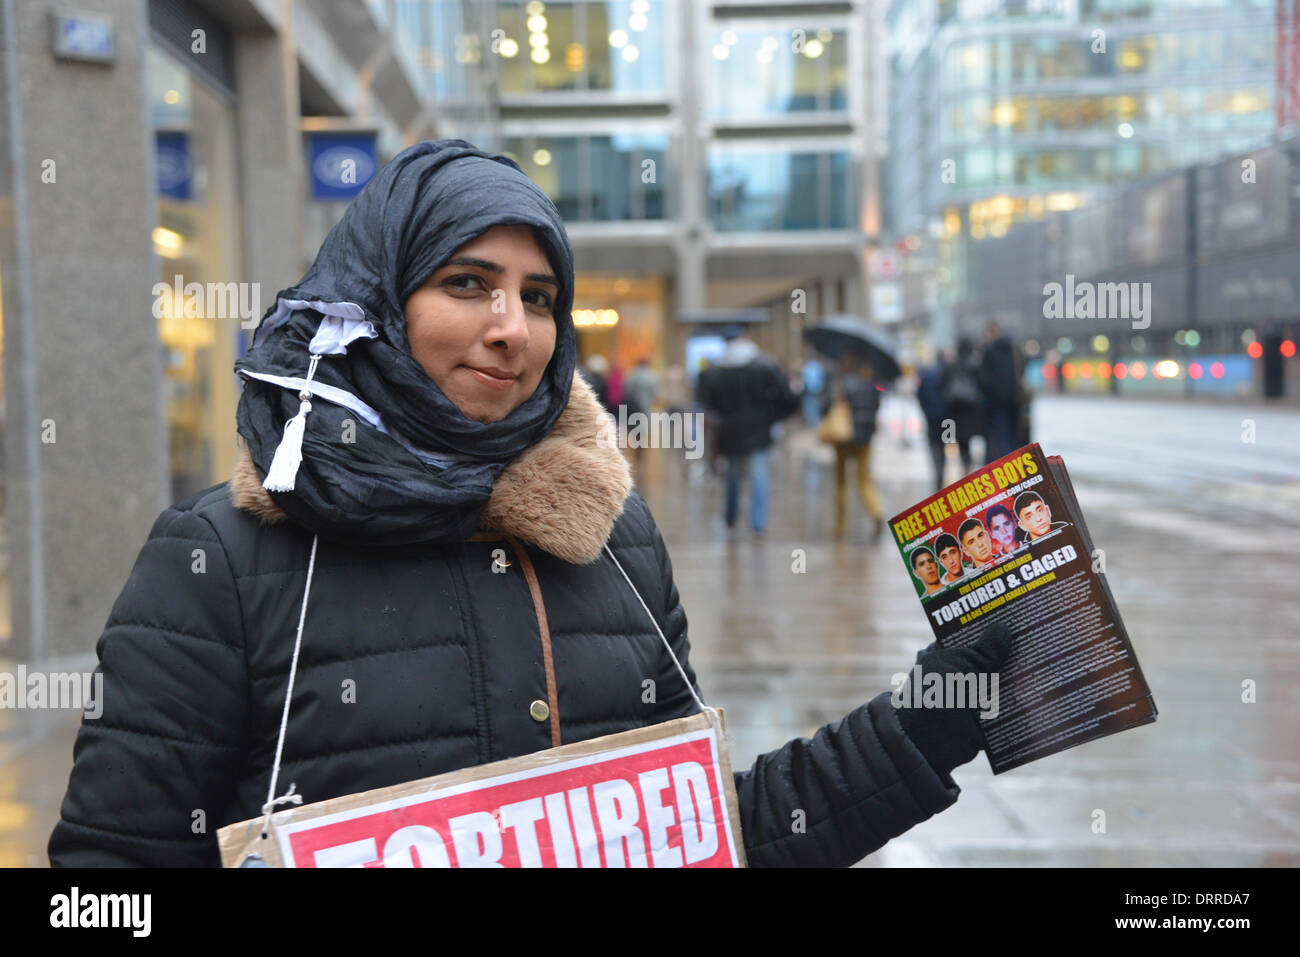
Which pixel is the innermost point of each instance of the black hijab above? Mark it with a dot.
(424, 472)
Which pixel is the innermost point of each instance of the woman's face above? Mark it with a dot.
(482, 324)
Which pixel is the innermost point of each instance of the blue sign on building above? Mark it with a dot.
(84, 37)
(175, 168)
(340, 163)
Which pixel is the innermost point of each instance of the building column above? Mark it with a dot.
(271, 167)
(85, 446)
(689, 289)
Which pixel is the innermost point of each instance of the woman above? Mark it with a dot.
(856, 384)
(429, 518)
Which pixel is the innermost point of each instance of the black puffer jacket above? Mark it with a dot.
(445, 656)
(748, 393)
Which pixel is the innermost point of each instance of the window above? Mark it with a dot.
(605, 178)
(615, 46)
(757, 191)
(760, 73)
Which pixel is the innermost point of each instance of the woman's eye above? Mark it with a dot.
(541, 298)
(457, 281)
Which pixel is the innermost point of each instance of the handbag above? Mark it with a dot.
(837, 427)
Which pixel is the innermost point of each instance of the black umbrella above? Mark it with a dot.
(836, 335)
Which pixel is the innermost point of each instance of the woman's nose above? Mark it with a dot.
(510, 322)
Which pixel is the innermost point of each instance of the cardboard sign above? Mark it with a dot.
(661, 796)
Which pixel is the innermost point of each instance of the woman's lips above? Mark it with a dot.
(494, 379)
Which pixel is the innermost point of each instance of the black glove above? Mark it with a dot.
(950, 736)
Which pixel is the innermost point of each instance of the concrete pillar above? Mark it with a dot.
(689, 286)
(270, 158)
(85, 454)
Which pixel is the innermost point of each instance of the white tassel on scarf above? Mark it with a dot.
(283, 473)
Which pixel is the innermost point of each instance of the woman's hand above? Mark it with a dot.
(950, 736)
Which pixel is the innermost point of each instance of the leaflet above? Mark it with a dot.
(1008, 544)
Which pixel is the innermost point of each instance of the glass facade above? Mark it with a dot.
(780, 190)
(197, 241)
(597, 178)
(759, 73)
(1065, 98)
(615, 46)
(1003, 61)
(440, 42)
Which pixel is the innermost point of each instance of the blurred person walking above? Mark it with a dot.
(596, 371)
(929, 394)
(614, 384)
(814, 385)
(642, 387)
(1004, 399)
(640, 391)
(855, 388)
(747, 392)
(962, 397)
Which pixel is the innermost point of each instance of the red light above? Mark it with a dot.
(1139, 370)
(1067, 370)
(1194, 370)
(1288, 348)
(1103, 370)
(1121, 370)
(1049, 372)
(1255, 350)
(1085, 371)
(1216, 370)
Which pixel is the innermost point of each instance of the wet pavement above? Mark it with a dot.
(1200, 530)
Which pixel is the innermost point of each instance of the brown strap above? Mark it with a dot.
(535, 589)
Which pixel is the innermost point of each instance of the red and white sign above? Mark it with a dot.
(663, 802)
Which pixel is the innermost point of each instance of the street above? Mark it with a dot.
(1199, 530)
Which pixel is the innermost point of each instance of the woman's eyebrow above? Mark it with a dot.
(493, 267)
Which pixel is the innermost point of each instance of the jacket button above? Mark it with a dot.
(539, 710)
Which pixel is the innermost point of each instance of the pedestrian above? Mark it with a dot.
(855, 384)
(747, 393)
(614, 382)
(641, 391)
(596, 371)
(404, 526)
(1005, 403)
(640, 388)
(962, 397)
(929, 393)
(814, 385)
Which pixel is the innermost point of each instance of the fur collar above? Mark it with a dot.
(561, 494)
